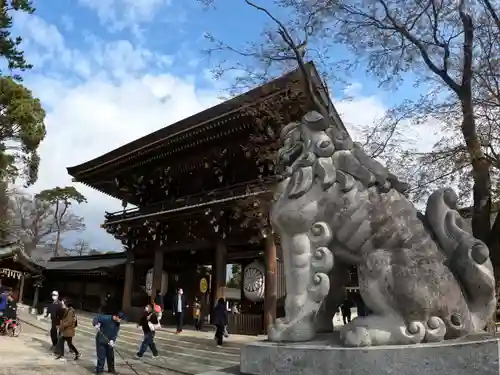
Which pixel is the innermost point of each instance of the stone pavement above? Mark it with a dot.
(23, 355)
(30, 354)
(190, 353)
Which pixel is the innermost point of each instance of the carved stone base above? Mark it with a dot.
(473, 355)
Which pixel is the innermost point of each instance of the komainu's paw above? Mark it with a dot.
(295, 331)
(376, 330)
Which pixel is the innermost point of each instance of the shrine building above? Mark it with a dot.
(18, 271)
(192, 185)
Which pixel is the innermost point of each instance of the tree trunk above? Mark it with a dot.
(481, 222)
(57, 244)
(481, 219)
(4, 211)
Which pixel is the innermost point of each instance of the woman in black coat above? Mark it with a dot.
(220, 320)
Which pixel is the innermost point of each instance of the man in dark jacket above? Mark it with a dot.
(55, 312)
(148, 323)
(107, 327)
(220, 320)
(178, 309)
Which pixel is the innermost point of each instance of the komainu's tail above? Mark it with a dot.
(468, 257)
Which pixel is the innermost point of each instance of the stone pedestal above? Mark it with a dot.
(474, 355)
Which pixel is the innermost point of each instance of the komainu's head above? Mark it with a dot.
(306, 154)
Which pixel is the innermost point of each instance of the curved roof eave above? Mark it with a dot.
(16, 249)
(185, 124)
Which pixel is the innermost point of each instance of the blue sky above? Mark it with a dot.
(110, 71)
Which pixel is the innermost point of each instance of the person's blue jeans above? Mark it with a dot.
(105, 353)
(148, 342)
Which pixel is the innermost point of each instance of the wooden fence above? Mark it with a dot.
(245, 324)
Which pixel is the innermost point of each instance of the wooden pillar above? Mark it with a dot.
(219, 272)
(270, 286)
(129, 281)
(157, 271)
(83, 287)
(36, 296)
(21, 289)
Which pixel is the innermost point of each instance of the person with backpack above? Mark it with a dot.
(67, 330)
(148, 323)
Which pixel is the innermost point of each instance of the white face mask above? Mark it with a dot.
(54, 298)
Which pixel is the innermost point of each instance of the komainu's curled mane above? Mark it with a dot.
(424, 277)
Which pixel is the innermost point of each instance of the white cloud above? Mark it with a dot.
(87, 120)
(118, 99)
(117, 15)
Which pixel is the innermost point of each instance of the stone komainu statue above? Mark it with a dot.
(425, 277)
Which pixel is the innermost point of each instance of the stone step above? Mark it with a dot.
(87, 360)
(172, 340)
(204, 357)
(179, 353)
(189, 338)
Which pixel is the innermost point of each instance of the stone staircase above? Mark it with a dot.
(188, 353)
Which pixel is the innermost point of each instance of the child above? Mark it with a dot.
(197, 314)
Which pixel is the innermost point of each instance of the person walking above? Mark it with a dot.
(54, 310)
(107, 307)
(108, 327)
(148, 322)
(220, 321)
(4, 296)
(67, 330)
(197, 314)
(345, 309)
(179, 306)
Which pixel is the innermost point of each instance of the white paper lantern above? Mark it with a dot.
(149, 282)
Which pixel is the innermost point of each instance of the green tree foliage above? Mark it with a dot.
(61, 199)
(21, 131)
(9, 45)
(21, 116)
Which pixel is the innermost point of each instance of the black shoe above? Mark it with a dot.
(77, 356)
(113, 371)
